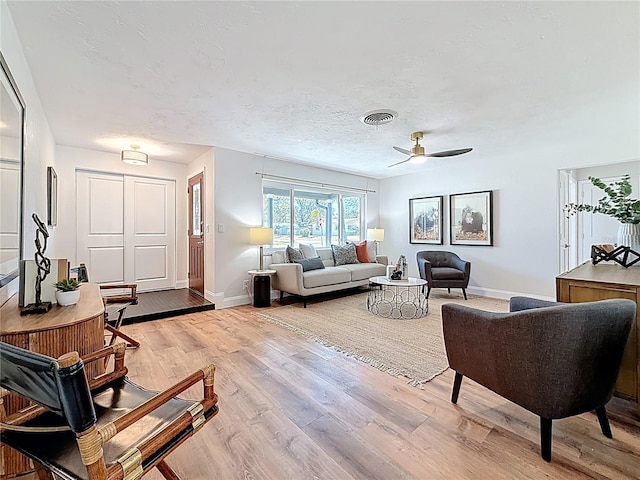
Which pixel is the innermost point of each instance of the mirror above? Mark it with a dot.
(11, 164)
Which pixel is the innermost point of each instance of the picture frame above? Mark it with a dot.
(425, 220)
(471, 218)
(52, 197)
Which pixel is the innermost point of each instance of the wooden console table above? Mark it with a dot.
(588, 283)
(77, 328)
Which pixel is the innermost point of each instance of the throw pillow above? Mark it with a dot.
(371, 251)
(362, 252)
(344, 255)
(293, 254)
(308, 250)
(311, 264)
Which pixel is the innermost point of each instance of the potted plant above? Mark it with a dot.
(67, 291)
(619, 205)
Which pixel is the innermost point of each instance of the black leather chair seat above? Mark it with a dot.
(446, 273)
(59, 452)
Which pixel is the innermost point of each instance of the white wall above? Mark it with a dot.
(524, 257)
(238, 206)
(69, 159)
(39, 143)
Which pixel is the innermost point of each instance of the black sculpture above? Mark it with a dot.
(44, 267)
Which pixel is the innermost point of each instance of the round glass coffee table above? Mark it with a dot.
(397, 298)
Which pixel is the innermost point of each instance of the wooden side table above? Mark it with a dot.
(77, 328)
(261, 287)
(588, 283)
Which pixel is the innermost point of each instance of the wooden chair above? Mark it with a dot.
(115, 306)
(68, 431)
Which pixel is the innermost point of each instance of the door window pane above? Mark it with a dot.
(196, 220)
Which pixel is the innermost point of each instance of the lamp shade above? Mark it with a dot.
(376, 234)
(260, 236)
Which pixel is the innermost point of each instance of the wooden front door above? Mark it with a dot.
(196, 234)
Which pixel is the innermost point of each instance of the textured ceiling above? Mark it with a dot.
(291, 79)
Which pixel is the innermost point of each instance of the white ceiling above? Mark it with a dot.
(292, 79)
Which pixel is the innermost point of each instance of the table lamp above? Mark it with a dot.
(375, 234)
(261, 236)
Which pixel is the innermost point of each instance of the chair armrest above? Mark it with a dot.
(383, 259)
(206, 375)
(288, 277)
(459, 264)
(424, 268)
(517, 304)
(132, 296)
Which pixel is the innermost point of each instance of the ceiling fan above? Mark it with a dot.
(417, 155)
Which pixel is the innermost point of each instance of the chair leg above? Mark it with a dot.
(281, 296)
(457, 381)
(428, 291)
(604, 422)
(464, 292)
(43, 474)
(117, 333)
(545, 438)
(448, 290)
(166, 471)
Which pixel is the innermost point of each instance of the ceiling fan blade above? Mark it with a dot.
(398, 163)
(449, 153)
(402, 150)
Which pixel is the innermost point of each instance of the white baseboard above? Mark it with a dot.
(504, 294)
(182, 284)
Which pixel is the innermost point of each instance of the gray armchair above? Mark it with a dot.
(556, 360)
(443, 270)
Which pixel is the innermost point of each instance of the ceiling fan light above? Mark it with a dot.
(418, 159)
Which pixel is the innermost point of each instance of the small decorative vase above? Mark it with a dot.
(67, 298)
(629, 236)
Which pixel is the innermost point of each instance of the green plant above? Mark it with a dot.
(67, 285)
(616, 204)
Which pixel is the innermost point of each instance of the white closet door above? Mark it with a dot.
(100, 225)
(149, 220)
(126, 229)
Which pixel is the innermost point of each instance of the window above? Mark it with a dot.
(308, 215)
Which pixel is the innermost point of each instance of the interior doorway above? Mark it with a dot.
(578, 232)
(196, 233)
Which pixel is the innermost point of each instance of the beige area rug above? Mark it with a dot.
(410, 348)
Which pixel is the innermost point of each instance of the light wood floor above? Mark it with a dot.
(293, 409)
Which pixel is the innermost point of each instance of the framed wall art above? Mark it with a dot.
(471, 218)
(425, 216)
(52, 197)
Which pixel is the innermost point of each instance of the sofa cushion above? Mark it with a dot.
(328, 276)
(311, 264)
(308, 250)
(446, 273)
(362, 271)
(293, 254)
(344, 255)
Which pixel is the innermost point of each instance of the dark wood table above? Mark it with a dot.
(77, 328)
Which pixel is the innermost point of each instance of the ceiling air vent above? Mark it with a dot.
(378, 117)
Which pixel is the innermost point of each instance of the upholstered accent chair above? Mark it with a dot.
(443, 270)
(553, 359)
(105, 427)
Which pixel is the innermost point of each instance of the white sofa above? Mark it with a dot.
(291, 279)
